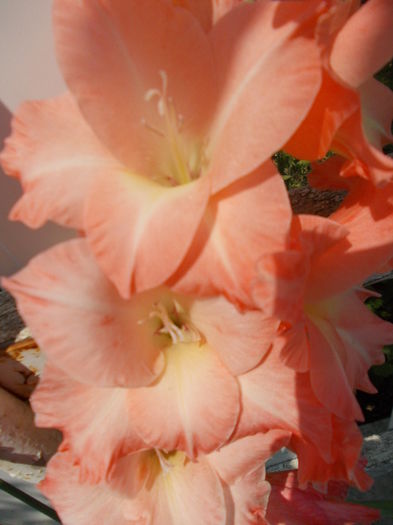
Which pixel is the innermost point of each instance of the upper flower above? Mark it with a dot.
(166, 108)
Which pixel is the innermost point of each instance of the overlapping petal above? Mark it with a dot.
(55, 155)
(193, 407)
(96, 422)
(364, 44)
(71, 498)
(343, 465)
(276, 397)
(140, 231)
(246, 128)
(80, 321)
(243, 222)
(241, 338)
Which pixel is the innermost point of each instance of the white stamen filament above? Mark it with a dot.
(173, 125)
(187, 333)
(164, 463)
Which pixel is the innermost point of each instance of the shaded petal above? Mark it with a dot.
(250, 498)
(282, 276)
(325, 367)
(364, 44)
(235, 232)
(367, 214)
(343, 465)
(133, 41)
(332, 106)
(80, 503)
(241, 338)
(377, 111)
(346, 340)
(253, 120)
(351, 142)
(55, 155)
(193, 407)
(96, 422)
(292, 505)
(276, 397)
(208, 12)
(140, 231)
(80, 321)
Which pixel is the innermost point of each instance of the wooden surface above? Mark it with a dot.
(10, 321)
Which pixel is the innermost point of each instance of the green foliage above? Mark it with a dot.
(293, 171)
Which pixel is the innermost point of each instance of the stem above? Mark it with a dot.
(29, 500)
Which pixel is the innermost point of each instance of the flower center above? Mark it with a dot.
(174, 323)
(184, 159)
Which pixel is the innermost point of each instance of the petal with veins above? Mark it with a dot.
(81, 323)
(55, 155)
(96, 422)
(194, 406)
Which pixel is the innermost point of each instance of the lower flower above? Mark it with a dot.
(226, 487)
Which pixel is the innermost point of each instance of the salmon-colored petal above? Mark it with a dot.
(114, 53)
(241, 338)
(377, 111)
(55, 155)
(96, 422)
(367, 214)
(294, 347)
(364, 44)
(276, 397)
(208, 12)
(236, 459)
(193, 407)
(332, 20)
(343, 465)
(80, 503)
(187, 493)
(252, 120)
(319, 233)
(351, 142)
(250, 496)
(325, 367)
(292, 505)
(80, 321)
(140, 231)
(332, 106)
(355, 335)
(236, 230)
(281, 284)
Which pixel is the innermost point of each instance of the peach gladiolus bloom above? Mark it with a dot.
(155, 487)
(155, 354)
(326, 327)
(151, 128)
(352, 112)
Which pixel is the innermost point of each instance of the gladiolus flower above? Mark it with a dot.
(326, 329)
(153, 128)
(152, 486)
(159, 352)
